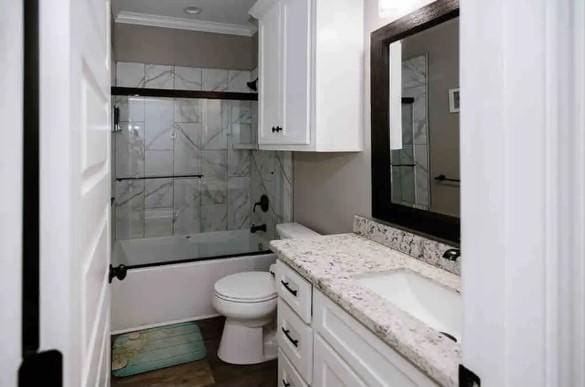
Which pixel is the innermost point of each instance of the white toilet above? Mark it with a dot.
(248, 301)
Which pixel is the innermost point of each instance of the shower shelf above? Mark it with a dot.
(159, 177)
(168, 93)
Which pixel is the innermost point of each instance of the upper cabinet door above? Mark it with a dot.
(270, 74)
(311, 69)
(296, 128)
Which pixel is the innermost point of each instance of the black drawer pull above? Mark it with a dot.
(287, 334)
(285, 383)
(285, 284)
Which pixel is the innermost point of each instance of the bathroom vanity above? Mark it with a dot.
(354, 312)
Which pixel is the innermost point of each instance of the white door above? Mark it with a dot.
(523, 191)
(11, 24)
(75, 186)
(270, 74)
(296, 73)
(330, 370)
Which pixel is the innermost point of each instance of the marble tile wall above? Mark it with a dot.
(410, 185)
(171, 137)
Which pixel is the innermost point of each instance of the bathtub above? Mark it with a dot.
(171, 279)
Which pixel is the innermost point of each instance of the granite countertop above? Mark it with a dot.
(331, 263)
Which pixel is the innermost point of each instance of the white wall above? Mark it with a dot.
(169, 46)
(330, 188)
(11, 177)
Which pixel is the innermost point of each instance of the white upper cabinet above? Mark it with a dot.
(310, 66)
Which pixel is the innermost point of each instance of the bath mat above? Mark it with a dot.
(152, 349)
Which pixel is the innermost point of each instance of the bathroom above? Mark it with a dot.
(293, 193)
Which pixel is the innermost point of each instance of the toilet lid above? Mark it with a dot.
(247, 286)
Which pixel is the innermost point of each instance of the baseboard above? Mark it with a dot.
(148, 326)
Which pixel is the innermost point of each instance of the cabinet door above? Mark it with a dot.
(270, 74)
(297, 18)
(330, 370)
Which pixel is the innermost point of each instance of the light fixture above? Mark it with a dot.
(192, 10)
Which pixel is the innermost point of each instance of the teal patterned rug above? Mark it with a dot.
(152, 349)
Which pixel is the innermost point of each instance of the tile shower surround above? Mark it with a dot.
(410, 185)
(169, 137)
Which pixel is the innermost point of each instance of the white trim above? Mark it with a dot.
(260, 8)
(144, 19)
(523, 208)
(11, 149)
(162, 324)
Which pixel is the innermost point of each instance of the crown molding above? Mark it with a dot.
(260, 8)
(144, 19)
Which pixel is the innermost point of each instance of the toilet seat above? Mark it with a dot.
(246, 287)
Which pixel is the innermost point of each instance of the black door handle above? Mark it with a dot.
(285, 383)
(287, 334)
(273, 129)
(285, 284)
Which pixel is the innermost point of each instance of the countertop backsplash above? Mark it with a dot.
(419, 247)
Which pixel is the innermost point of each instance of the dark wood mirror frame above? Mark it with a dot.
(426, 222)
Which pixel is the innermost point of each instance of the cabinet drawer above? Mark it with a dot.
(295, 340)
(287, 375)
(372, 360)
(295, 290)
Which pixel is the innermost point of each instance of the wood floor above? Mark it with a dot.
(196, 374)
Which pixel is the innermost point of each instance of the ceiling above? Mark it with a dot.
(228, 12)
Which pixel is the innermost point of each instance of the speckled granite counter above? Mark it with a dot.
(332, 262)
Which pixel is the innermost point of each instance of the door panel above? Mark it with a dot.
(296, 70)
(75, 186)
(11, 170)
(270, 70)
(330, 370)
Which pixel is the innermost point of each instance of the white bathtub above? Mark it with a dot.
(158, 293)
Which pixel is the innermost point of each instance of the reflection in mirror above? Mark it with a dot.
(424, 119)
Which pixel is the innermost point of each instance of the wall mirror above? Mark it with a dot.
(415, 121)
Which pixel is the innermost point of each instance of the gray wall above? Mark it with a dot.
(441, 43)
(166, 46)
(330, 188)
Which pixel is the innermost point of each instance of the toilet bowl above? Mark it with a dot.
(248, 302)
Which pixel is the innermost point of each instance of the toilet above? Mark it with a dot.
(248, 302)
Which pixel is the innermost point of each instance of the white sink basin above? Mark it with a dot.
(437, 306)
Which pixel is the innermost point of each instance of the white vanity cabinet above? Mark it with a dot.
(330, 348)
(310, 70)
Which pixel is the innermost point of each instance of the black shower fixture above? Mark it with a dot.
(253, 85)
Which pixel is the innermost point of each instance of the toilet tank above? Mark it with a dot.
(294, 231)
